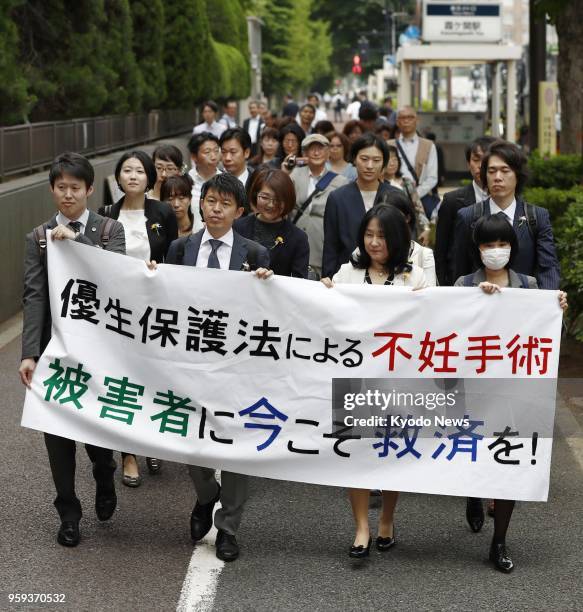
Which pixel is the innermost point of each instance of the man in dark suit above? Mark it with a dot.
(347, 205)
(454, 201)
(254, 125)
(504, 173)
(71, 180)
(218, 246)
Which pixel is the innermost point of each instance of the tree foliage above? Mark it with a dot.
(75, 58)
(351, 20)
(296, 46)
(148, 17)
(15, 100)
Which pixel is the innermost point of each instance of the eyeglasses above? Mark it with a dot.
(167, 169)
(265, 198)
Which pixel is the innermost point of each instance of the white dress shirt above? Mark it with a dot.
(198, 181)
(223, 252)
(368, 199)
(428, 178)
(243, 177)
(480, 194)
(509, 211)
(252, 128)
(214, 128)
(62, 220)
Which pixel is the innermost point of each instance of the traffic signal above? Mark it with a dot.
(356, 67)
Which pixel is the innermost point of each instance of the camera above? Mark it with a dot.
(290, 164)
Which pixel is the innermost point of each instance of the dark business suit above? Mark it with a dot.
(342, 217)
(260, 126)
(444, 235)
(36, 334)
(233, 486)
(536, 254)
(288, 258)
(161, 225)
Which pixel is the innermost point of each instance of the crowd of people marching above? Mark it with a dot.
(294, 196)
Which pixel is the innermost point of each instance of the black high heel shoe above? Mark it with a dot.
(384, 544)
(154, 465)
(500, 558)
(360, 552)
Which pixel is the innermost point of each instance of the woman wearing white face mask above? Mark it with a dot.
(496, 246)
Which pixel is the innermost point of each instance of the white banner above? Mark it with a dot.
(222, 369)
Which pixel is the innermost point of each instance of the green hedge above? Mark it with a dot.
(569, 238)
(559, 171)
(556, 201)
(62, 59)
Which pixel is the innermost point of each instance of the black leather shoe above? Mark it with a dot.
(68, 534)
(500, 559)
(226, 545)
(105, 500)
(384, 544)
(475, 513)
(201, 519)
(360, 552)
(154, 465)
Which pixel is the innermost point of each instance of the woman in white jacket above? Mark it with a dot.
(384, 242)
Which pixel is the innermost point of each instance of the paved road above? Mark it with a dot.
(294, 539)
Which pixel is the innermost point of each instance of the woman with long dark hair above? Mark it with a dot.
(383, 241)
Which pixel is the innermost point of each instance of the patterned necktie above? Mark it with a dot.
(213, 261)
(75, 226)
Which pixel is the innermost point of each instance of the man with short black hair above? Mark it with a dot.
(452, 202)
(218, 246)
(205, 154)
(210, 112)
(504, 172)
(253, 125)
(236, 149)
(71, 182)
(229, 118)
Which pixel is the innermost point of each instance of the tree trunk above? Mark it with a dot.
(570, 74)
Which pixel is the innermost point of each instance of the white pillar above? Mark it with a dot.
(496, 91)
(380, 92)
(511, 101)
(404, 93)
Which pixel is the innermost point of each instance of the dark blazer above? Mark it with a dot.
(443, 251)
(36, 331)
(536, 256)
(238, 252)
(156, 213)
(291, 257)
(260, 126)
(342, 217)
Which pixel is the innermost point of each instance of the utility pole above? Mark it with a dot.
(537, 57)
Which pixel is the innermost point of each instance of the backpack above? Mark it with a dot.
(40, 232)
(478, 211)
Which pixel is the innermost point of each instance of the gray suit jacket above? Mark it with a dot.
(36, 331)
(238, 252)
(312, 221)
(514, 282)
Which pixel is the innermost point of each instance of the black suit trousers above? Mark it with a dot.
(62, 459)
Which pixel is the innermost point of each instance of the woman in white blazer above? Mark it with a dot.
(384, 242)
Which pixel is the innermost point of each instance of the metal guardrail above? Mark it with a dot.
(31, 146)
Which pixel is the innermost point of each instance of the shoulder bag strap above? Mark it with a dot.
(407, 162)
